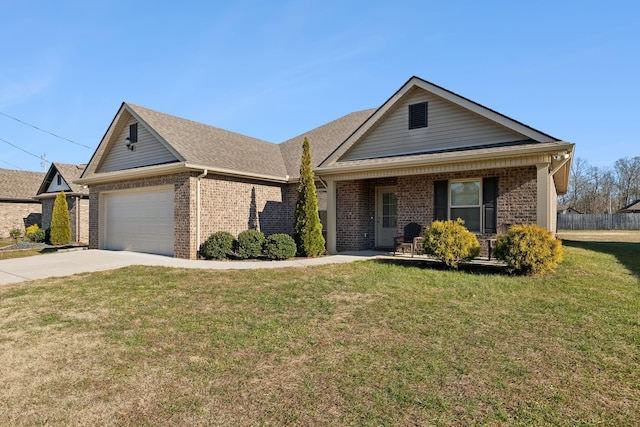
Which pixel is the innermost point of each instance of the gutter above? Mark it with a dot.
(453, 157)
(198, 178)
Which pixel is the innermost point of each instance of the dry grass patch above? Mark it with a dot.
(365, 343)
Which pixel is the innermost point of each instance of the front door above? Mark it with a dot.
(386, 216)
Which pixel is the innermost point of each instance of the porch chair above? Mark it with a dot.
(409, 240)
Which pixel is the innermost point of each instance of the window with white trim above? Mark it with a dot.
(465, 202)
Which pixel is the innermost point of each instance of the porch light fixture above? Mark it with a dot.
(561, 156)
(130, 145)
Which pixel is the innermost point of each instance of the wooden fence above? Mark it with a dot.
(627, 221)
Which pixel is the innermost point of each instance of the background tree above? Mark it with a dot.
(307, 230)
(60, 225)
(597, 190)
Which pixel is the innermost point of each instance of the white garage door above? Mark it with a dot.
(139, 221)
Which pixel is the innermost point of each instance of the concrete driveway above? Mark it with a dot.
(68, 263)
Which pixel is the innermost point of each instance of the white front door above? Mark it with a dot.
(386, 216)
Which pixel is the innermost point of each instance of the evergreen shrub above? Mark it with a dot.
(60, 225)
(451, 242)
(279, 246)
(218, 246)
(35, 233)
(529, 249)
(250, 244)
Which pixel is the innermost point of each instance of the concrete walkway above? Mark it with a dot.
(67, 263)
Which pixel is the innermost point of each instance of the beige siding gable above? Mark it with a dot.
(148, 150)
(450, 127)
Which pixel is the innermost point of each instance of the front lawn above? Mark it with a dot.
(368, 343)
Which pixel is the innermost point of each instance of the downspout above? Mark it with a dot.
(198, 178)
(77, 219)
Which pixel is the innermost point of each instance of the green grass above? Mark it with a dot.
(369, 343)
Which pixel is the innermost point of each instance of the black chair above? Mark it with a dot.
(409, 240)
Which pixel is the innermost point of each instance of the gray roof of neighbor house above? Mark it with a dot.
(322, 140)
(19, 186)
(631, 207)
(69, 173)
(209, 146)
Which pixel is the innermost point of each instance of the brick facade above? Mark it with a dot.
(227, 204)
(13, 215)
(356, 203)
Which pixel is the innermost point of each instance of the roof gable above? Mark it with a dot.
(68, 174)
(385, 133)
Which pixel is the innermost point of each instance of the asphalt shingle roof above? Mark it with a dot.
(209, 146)
(19, 185)
(323, 140)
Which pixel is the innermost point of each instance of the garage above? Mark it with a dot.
(138, 221)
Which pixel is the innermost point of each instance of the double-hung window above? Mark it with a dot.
(465, 202)
(474, 200)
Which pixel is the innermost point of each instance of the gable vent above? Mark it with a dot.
(133, 132)
(418, 115)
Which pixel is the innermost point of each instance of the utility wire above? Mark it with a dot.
(45, 131)
(10, 164)
(22, 149)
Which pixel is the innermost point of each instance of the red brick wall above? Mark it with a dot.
(356, 203)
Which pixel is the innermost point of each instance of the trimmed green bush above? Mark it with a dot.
(529, 249)
(35, 233)
(451, 242)
(250, 244)
(218, 246)
(60, 225)
(279, 246)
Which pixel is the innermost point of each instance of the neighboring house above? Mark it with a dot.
(567, 210)
(162, 184)
(633, 207)
(17, 205)
(61, 177)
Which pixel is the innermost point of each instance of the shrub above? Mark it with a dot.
(60, 225)
(307, 228)
(218, 246)
(15, 233)
(529, 249)
(451, 242)
(35, 233)
(279, 246)
(250, 244)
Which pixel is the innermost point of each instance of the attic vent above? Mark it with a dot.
(418, 115)
(133, 133)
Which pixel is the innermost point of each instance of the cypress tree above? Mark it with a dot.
(60, 225)
(307, 231)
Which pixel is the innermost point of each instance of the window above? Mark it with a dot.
(59, 179)
(474, 200)
(418, 115)
(465, 202)
(389, 210)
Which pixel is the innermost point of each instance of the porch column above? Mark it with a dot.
(543, 204)
(331, 216)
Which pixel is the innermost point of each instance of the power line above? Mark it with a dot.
(11, 164)
(22, 149)
(45, 131)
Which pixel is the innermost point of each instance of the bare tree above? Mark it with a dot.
(628, 179)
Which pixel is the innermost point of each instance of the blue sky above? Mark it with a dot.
(275, 69)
